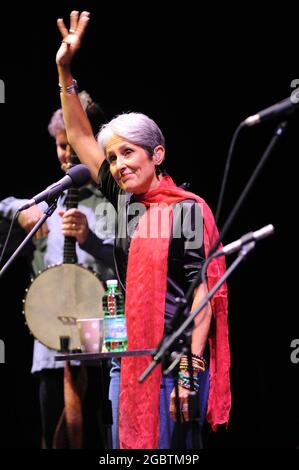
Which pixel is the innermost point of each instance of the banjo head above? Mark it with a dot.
(57, 297)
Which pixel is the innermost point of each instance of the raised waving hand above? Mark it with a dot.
(72, 37)
(79, 132)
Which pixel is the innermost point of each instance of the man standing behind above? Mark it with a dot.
(93, 250)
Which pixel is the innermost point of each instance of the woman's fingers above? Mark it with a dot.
(185, 411)
(183, 404)
(73, 21)
(83, 21)
(77, 24)
(62, 28)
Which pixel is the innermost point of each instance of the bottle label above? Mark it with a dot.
(115, 329)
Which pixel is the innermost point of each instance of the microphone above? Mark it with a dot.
(247, 238)
(282, 108)
(75, 177)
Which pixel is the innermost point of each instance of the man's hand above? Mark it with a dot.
(74, 224)
(27, 220)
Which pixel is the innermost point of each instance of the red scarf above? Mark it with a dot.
(146, 283)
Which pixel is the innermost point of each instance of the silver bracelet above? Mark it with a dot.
(70, 89)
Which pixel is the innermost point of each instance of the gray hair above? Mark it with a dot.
(93, 111)
(56, 123)
(137, 128)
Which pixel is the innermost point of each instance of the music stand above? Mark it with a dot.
(104, 355)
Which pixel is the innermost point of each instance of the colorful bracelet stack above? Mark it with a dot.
(184, 381)
(198, 365)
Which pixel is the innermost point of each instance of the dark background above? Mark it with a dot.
(198, 74)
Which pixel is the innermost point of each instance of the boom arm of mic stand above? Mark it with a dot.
(169, 340)
(279, 132)
(48, 212)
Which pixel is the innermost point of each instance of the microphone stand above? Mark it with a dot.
(279, 131)
(48, 212)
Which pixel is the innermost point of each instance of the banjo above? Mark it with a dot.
(61, 294)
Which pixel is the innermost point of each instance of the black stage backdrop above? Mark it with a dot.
(198, 74)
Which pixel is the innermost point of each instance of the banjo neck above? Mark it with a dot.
(69, 248)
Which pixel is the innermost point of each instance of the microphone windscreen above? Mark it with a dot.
(79, 174)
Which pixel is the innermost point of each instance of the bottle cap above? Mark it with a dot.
(112, 283)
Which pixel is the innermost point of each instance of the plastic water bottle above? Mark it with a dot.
(115, 331)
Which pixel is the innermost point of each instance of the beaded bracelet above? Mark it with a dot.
(185, 382)
(70, 89)
(185, 375)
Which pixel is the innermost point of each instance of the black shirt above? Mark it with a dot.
(183, 262)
